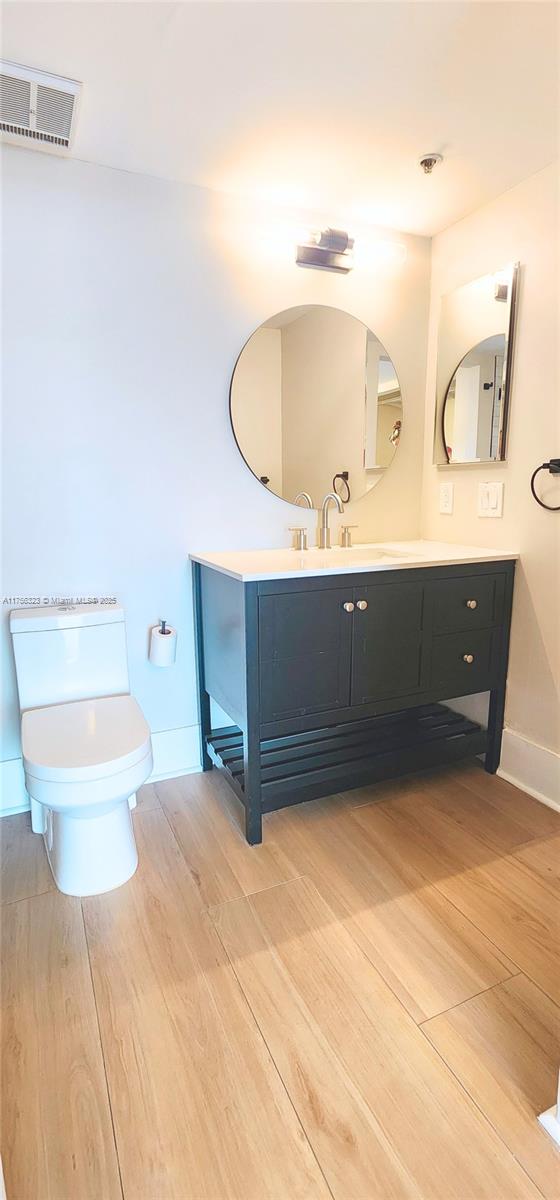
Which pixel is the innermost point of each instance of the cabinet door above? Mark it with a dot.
(305, 645)
(387, 651)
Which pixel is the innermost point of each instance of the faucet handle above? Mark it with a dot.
(299, 540)
(346, 536)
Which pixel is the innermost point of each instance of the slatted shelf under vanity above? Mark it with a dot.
(294, 767)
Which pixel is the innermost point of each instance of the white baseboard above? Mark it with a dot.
(13, 796)
(474, 707)
(530, 767)
(549, 1121)
(176, 752)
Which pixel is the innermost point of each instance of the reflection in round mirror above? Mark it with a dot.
(472, 419)
(315, 403)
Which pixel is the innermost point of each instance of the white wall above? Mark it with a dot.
(520, 225)
(126, 302)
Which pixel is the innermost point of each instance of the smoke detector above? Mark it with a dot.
(429, 161)
(36, 107)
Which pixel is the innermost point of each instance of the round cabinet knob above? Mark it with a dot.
(348, 607)
(362, 605)
(468, 658)
(472, 603)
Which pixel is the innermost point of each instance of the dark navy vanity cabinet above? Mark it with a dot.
(335, 681)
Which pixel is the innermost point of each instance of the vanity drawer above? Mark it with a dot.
(471, 602)
(464, 662)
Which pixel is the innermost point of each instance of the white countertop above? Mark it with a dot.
(251, 565)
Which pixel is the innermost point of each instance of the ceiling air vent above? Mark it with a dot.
(36, 107)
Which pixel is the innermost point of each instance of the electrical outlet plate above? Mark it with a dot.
(446, 498)
(490, 499)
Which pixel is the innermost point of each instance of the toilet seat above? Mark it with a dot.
(85, 740)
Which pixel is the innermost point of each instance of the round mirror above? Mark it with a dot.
(473, 410)
(316, 404)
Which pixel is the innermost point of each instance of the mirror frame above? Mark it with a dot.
(380, 471)
(501, 457)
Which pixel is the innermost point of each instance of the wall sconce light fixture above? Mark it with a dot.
(330, 250)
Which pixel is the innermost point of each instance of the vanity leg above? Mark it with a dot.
(252, 732)
(253, 826)
(252, 786)
(496, 709)
(497, 705)
(203, 697)
(205, 727)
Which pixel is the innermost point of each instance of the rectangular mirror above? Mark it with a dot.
(474, 369)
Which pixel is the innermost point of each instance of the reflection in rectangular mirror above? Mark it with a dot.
(474, 369)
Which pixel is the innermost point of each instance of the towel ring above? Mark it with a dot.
(342, 475)
(553, 467)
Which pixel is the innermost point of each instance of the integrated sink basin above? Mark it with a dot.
(365, 553)
(340, 558)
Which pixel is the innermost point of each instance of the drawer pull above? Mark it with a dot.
(362, 605)
(348, 607)
(472, 603)
(468, 658)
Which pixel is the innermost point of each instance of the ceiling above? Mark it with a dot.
(316, 105)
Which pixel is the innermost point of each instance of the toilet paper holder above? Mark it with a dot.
(163, 644)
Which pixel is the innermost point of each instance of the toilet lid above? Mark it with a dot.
(86, 739)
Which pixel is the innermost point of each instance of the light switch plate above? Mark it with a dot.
(490, 499)
(446, 498)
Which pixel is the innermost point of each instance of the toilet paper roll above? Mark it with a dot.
(163, 646)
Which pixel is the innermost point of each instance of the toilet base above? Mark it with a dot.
(89, 855)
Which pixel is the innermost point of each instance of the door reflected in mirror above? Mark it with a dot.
(474, 370)
(472, 413)
(316, 403)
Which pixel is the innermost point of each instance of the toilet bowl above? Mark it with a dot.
(82, 762)
(84, 755)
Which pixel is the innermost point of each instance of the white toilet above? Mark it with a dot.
(86, 744)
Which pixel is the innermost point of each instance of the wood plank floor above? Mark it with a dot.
(364, 1007)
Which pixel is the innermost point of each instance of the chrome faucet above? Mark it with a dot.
(305, 497)
(324, 531)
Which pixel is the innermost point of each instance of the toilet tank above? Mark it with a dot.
(70, 652)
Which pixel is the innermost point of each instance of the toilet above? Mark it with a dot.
(85, 741)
